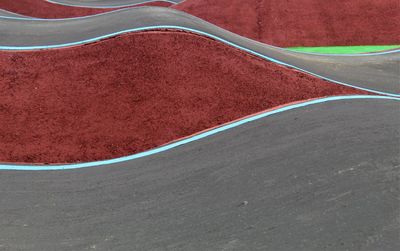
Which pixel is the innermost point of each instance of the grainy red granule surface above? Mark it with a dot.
(288, 23)
(44, 9)
(134, 92)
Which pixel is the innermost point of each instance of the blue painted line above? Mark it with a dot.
(38, 47)
(190, 139)
(99, 14)
(24, 18)
(27, 18)
(13, 17)
(110, 6)
(132, 30)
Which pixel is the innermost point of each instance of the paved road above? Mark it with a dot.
(380, 72)
(108, 3)
(322, 177)
(4, 13)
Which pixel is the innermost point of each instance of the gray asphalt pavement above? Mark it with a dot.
(377, 72)
(108, 3)
(4, 13)
(322, 177)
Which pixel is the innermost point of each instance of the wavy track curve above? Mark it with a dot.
(345, 70)
(107, 3)
(24, 167)
(135, 92)
(328, 171)
(42, 9)
(325, 166)
(11, 15)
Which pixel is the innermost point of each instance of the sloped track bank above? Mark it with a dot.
(377, 72)
(44, 9)
(134, 92)
(108, 3)
(316, 178)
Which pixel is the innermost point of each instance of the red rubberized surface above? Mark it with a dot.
(44, 9)
(134, 92)
(288, 23)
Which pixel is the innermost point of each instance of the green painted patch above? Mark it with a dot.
(345, 49)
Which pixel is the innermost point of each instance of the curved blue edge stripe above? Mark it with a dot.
(131, 30)
(190, 139)
(111, 6)
(196, 32)
(27, 18)
(137, 29)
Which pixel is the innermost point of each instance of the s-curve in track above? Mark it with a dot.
(51, 10)
(377, 72)
(108, 3)
(321, 177)
(311, 173)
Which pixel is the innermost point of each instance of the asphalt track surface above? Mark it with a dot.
(322, 177)
(107, 3)
(4, 13)
(378, 72)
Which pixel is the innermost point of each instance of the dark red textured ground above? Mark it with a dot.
(44, 9)
(131, 93)
(288, 23)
